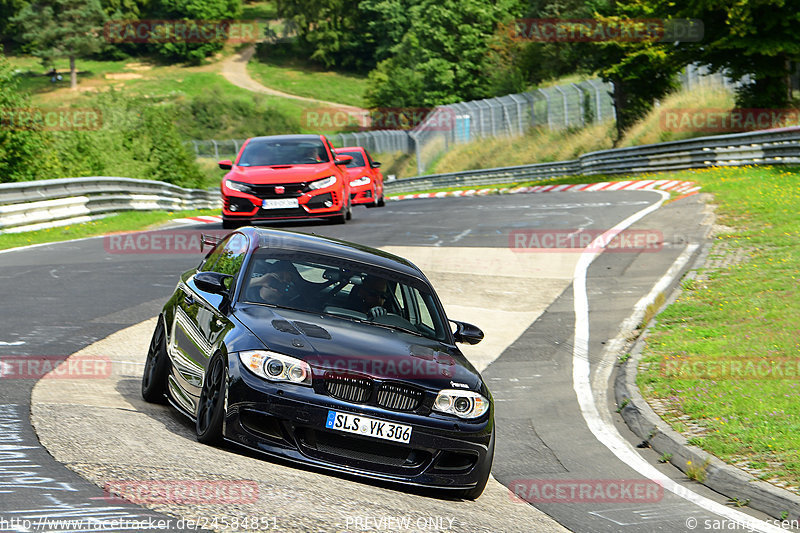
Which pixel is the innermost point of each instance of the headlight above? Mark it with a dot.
(321, 184)
(237, 186)
(276, 367)
(363, 180)
(463, 404)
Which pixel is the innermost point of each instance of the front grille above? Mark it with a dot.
(348, 388)
(291, 190)
(363, 450)
(399, 397)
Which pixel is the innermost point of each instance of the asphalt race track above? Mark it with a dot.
(549, 316)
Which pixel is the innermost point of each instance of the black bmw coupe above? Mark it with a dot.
(325, 352)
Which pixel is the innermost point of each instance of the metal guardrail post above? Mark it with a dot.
(564, 100)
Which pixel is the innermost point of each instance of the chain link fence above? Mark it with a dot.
(574, 105)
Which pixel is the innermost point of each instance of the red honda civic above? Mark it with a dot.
(366, 179)
(285, 177)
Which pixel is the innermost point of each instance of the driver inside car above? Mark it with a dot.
(278, 286)
(371, 296)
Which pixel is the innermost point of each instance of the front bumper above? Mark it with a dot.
(289, 421)
(362, 195)
(242, 206)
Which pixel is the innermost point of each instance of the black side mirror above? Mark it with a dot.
(376, 164)
(225, 164)
(213, 282)
(467, 333)
(342, 159)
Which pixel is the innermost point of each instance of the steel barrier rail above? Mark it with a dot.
(26, 206)
(771, 147)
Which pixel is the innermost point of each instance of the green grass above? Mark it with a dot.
(744, 311)
(126, 221)
(302, 79)
(259, 11)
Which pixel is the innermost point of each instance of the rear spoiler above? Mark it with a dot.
(210, 240)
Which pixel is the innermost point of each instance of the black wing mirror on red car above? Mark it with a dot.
(225, 164)
(343, 159)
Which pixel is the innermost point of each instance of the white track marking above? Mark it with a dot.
(606, 433)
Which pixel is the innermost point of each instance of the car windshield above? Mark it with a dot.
(358, 159)
(332, 286)
(265, 152)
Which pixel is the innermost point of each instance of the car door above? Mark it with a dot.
(201, 320)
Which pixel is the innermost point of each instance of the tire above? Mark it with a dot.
(211, 406)
(381, 202)
(477, 490)
(349, 214)
(156, 367)
(342, 218)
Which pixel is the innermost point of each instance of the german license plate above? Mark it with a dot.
(280, 203)
(369, 427)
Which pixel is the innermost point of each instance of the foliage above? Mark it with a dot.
(204, 118)
(755, 38)
(442, 58)
(23, 150)
(9, 9)
(61, 28)
(191, 11)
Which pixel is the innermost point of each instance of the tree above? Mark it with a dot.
(62, 28)
(192, 12)
(8, 10)
(24, 149)
(755, 38)
(442, 58)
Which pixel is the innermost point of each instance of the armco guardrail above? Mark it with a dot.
(773, 147)
(33, 205)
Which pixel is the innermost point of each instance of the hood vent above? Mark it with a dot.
(285, 326)
(312, 330)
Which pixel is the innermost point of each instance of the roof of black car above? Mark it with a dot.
(334, 247)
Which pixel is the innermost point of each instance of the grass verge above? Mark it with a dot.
(126, 221)
(724, 359)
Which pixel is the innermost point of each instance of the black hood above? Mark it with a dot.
(332, 343)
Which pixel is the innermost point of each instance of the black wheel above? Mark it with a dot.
(211, 407)
(349, 214)
(381, 202)
(342, 218)
(486, 470)
(156, 367)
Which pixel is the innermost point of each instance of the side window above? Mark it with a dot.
(369, 159)
(231, 256)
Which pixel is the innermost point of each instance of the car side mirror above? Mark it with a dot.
(467, 333)
(225, 164)
(213, 282)
(376, 164)
(343, 159)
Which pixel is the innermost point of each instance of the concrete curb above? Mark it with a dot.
(723, 478)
